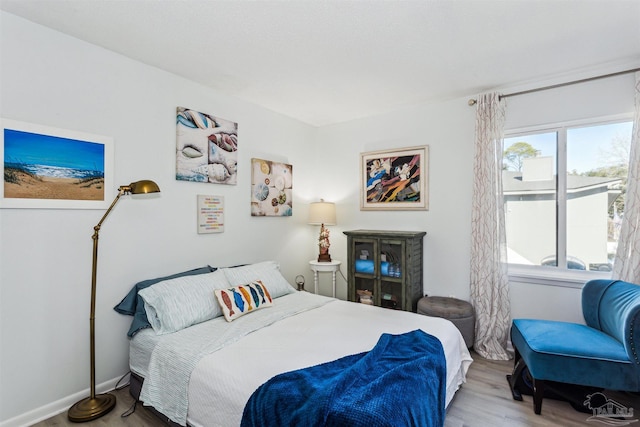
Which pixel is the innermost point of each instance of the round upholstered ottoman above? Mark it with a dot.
(459, 312)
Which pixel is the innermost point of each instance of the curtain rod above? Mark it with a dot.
(473, 102)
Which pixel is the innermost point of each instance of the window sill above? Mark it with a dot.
(552, 276)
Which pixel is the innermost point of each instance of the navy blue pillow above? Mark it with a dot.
(133, 305)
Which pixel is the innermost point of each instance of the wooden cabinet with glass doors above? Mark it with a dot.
(385, 268)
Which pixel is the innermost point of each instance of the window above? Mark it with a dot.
(564, 195)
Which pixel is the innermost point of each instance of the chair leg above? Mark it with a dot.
(538, 394)
(513, 378)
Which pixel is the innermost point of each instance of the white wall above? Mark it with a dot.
(55, 80)
(447, 128)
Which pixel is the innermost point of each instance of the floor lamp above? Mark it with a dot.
(96, 406)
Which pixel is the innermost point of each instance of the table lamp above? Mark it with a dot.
(96, 405)
(323, 213)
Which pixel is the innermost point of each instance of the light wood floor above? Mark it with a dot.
(484, 401)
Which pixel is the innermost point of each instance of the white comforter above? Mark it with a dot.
(222, 382)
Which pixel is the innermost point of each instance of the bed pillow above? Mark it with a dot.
(268, 272)
(133, 305)
(178, 303)
(242, 299)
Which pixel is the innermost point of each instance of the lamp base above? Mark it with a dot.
(91, 408)
(324, 257)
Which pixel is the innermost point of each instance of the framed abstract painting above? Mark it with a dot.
(394, 179)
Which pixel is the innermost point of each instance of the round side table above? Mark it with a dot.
(320, 267)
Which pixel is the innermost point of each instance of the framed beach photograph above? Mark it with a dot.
(206, 148)
(51, 168)
(395, 179)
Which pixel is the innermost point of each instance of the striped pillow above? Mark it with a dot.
(268, 272)
(178, 303)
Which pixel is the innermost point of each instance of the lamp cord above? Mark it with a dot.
(131, 410)
(340, 271)
(118, 387)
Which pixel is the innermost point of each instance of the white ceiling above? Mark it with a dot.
(325, 62)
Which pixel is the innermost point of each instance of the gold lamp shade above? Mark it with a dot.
(143, 187)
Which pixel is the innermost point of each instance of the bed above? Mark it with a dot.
(203, 374)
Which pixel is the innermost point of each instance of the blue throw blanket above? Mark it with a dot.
(400, 382)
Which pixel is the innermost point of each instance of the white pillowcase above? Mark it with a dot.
(175, 304)
(268, 272)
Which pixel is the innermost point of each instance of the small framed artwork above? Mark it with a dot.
(51, 168)
(210, 214)
(206, 148)
(271, 188)
(394, 179)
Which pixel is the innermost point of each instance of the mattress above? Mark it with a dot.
(222, 382)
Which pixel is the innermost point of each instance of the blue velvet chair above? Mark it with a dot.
(603, 353)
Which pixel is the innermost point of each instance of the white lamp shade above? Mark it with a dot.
(322, 213)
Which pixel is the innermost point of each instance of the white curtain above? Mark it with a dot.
(489, 281)
(627, 263)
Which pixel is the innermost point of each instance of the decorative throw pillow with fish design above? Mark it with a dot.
(242, 299)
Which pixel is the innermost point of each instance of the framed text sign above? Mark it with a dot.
(210, 214)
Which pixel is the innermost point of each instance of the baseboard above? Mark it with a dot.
(510, 349)
(54, 408)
